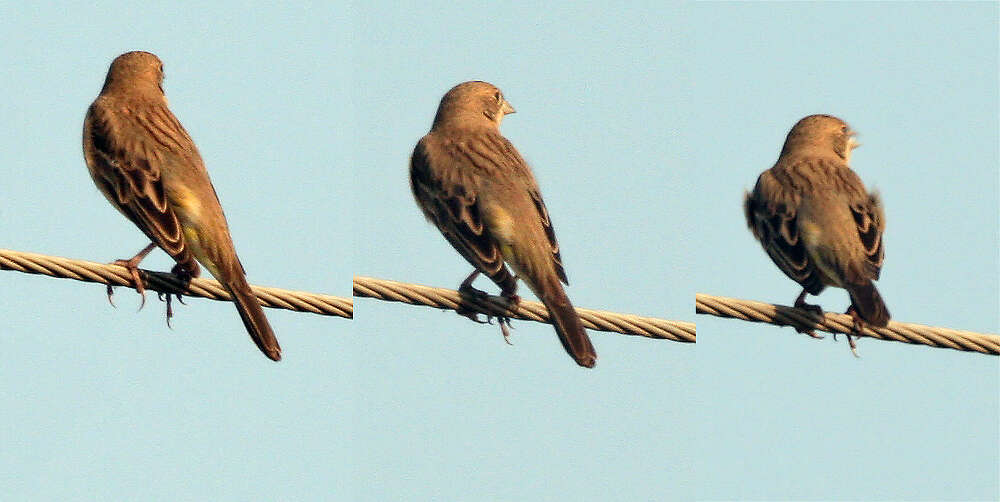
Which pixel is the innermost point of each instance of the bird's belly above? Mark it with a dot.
(821, 251)
(504, 230)
(190, 212)
(501, 225)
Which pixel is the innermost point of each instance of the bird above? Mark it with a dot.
(817, 221)
(474, 186)
(148, 167)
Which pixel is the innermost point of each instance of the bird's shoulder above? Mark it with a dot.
(145, 121)
(792, 178)
(471, 152)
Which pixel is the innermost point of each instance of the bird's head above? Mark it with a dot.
(473, 103)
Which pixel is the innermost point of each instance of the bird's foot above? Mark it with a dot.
(467, 291)
(132, 265)
(185, 277)
(511, 299)
(809, 331)
(800, 303)
(815, 309)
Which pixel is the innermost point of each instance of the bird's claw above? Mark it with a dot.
(800, 303)
(170, 312)
(503, 321)
(133, 271)
(466, 290)
(472, 315)
(505, 331)
(811, 333)
(167, 297)
(185, 276)
(857, 327)
(505, 327)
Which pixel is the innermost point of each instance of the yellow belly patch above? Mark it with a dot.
(501, 224)
(186, 204)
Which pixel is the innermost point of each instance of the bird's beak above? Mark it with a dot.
(507, 109)
(852, 141)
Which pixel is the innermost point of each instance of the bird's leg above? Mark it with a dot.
(466, 289)
(800, 303)
(513, 300)
(185, 276)
(132, 265)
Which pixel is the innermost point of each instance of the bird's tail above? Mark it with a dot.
(253, 316)
(869, 305)
(568, 326)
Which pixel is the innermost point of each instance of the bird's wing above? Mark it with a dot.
(513, 162)
(869, 220)
(445, 189)
(771, 211)
(126, 156)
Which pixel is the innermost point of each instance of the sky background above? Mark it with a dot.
(644, 124)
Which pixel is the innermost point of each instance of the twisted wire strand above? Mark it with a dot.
(115, 275)
(781, 315)
(413, 294)
(598, 320)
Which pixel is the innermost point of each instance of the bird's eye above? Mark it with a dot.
(498, 96)
(843, 129)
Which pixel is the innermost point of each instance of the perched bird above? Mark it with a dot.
(474, 186)
(817, 221)
(147, 166)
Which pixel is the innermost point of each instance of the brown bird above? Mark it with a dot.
(474, 186)
(817, 221)
(147, 166)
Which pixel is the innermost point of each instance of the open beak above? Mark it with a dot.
(852, 141)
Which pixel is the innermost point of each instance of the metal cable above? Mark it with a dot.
(115, 275)
(449, 299)
(748, 310)
(599, 320)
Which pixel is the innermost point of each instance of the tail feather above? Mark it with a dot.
(253, 317)
(569, 328)
(869, 305)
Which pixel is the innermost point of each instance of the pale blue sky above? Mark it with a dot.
(644, 123)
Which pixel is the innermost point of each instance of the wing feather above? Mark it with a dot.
(771, 213)
(127, 166)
